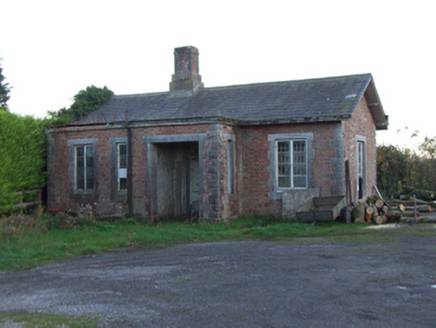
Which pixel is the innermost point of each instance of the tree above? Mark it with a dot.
(428, 147)
(4, 92)
(85, 101)
(401, 171)
(392, 164)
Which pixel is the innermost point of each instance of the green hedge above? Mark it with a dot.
(22, 156)
(403, 172)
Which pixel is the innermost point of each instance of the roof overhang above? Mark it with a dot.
(201, 120)
(375, 106)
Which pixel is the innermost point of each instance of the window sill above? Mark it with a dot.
(287, 189)
(84, 192)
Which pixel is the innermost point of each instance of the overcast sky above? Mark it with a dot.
(52, 49)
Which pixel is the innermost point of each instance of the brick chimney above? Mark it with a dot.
(186, 77)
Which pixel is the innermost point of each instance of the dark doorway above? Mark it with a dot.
(178, 186)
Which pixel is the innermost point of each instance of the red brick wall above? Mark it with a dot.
(140, 158)
(102, 200)
(253, 146)
(361, 124)
(252, 163)
(256, 163)
(59, 193)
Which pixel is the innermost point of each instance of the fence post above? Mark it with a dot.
(22, 204)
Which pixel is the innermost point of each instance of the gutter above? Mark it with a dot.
(221, 119)
(210, 120)
(129, 167)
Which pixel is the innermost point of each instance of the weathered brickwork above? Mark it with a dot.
(60, 184)
(217, 153)
(106, 200)
(250, 191)
(361, 127)
(256, 163)
(332, 144)
(144, 204)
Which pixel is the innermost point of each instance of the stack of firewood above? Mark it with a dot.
(416, 209)
(376, 210)
(371, 209)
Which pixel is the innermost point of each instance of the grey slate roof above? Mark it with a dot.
(327, 99)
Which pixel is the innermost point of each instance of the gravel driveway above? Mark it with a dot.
(301, 283)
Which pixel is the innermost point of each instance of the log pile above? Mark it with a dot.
(417, 210)
(371, 209)
(375, 210)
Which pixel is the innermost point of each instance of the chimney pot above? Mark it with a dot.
(186, 76)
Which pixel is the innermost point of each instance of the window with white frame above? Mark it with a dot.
(360, 168)
(84, 167)
(291, 164)
(122, 165)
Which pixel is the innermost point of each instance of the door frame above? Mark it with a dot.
(151, 163)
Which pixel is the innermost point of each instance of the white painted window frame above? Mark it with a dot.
(360, 163)
(291, 163)
(121, 171)
(275, 192)
(85, 151)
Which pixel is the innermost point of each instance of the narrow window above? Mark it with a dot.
(122, 166)
(291, 164)
(299, 164)
(360, 169)
(230, 166)
(84, 168)
(284, 164)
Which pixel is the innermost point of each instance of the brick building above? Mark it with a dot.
(218, 152)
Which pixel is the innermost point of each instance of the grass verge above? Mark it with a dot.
(29, 244)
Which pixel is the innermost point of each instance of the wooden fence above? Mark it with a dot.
(35, 202)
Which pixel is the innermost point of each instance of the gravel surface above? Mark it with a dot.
(304, 283)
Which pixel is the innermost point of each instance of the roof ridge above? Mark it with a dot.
(291, 81)
(132, 95)
(247, 85)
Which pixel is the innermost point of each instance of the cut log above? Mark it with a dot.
(401, 207)
(410, 202)
(385, 209)
(393, 215)
(359, 213)
(379, 203)
(419, 208)
(371, 200)
(369, 210)
(408, 213)
(411, 214)
(368, 217)
(377, 192)
(380, 219)
(374, 211)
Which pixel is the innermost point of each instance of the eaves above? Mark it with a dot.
(199, 121)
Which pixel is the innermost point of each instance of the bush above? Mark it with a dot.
(402, 172)
(23, 156)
